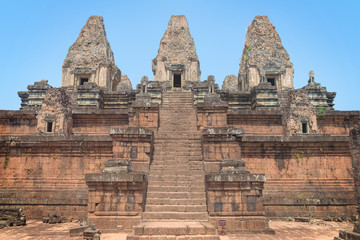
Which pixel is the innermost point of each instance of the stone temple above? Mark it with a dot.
(178, 156)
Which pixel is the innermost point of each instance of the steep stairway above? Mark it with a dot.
(176, 198)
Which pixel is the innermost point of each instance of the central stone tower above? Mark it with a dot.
(177, 60)
(264, 59)
(90, 59)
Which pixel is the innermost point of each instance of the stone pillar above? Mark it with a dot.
(212, 113)
(116, 196)
(135, 144)
(235, 195)
(55, 116)
(220, 144)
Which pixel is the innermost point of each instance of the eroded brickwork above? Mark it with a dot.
(177, 53)
(299, 115)
(264, 57)
(55, 115)
(90, 58)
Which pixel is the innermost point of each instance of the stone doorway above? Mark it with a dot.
(177, 80)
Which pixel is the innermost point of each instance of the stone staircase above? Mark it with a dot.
(176, 199)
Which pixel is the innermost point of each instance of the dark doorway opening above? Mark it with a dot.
(49, 126)
(304, 128)
(177, 80)
(271, 80)
(83, 81)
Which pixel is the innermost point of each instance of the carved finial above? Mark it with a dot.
(144, 80)
(311, 77)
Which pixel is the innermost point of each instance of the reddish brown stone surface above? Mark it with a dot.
(41, 174)
(317, 230)
(17, 122)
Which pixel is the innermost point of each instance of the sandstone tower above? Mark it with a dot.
(177, 60)
(264, 58)
(90, 59)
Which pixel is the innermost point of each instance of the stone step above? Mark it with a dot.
(175, 183)
(179, 171)
(185, 163)
(184, 137)
(186, 167)
(176, 195)
(171, 155)
(174, 108)
(176, 156)
(176, 228)
(171, 201)
(186, 100)
(179, 144)
(173, 237)
(178, 160)
(182, 147)
(168, 175)
(194, 179)
(201, 216)
(178, 119)
(184, 188)
(163, 164)
(190, 138)
(176, 208)
(173, 137)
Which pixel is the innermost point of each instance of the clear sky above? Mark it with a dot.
(323, 36)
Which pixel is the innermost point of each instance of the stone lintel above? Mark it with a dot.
(233, 166)
(262, 112)
(220, 107)
(107, 177)
(117, 166)
(145, 106)
(83, 70)
(218, 134)
(235, 177)
(177, 67)
(132, 133)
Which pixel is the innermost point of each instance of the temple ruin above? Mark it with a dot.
(178, 149)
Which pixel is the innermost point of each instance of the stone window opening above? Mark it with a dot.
(177, 80)
(304, 127)
(49, 126)
(272, 78)
(83, 81)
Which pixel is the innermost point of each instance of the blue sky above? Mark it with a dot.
(323, 36)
